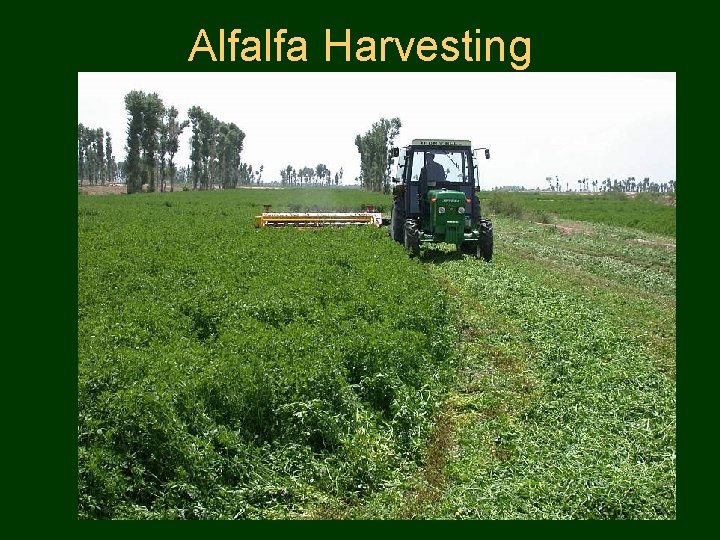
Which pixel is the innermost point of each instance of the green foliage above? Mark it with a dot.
(505, 204)
(374, 147)
(215, 152)
(95, 159)
(649, 212)
(230, 372)
(172, 129)
(566, 404)
(145, 117)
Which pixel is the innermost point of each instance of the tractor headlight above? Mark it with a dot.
(441, 209)
(461, 209)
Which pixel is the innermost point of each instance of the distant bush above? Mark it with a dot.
(505, 205)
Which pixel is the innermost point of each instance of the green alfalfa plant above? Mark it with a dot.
(545, 218)
(584, 392)
(246, 381)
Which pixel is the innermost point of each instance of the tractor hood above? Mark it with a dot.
(448, 219)
(445, 196)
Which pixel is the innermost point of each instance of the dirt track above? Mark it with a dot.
(112, 189)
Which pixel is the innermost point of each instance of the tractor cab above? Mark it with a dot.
(434, 197)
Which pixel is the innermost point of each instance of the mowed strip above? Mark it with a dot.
(567, 405)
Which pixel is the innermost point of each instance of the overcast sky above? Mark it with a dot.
(569, 125)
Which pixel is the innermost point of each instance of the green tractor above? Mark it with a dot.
(434, 198)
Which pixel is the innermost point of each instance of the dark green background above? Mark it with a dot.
(49, 46)
(583, 37)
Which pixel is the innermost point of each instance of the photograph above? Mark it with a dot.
(370, 294)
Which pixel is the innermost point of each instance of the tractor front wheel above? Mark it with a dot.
(411, 238)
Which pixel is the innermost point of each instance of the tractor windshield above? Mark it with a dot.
(441, 165)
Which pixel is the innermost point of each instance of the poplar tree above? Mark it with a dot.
(173, 130)
(134, 104)
(374, 148)
(109, 158)
(153, 111)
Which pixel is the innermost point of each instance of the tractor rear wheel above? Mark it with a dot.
(485, 243)
(397, 221)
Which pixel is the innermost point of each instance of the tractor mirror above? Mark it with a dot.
(395, 151)
(487, 153)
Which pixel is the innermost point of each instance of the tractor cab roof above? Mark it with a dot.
(435, 143)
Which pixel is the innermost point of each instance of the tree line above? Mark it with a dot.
(215, 148)
(153, 140)
(374, 148)
(153, 134)
(319, 175)
(629, 184)
(96, 163)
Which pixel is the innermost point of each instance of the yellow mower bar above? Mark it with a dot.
(317, 219)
